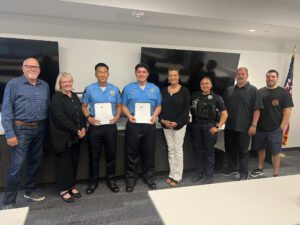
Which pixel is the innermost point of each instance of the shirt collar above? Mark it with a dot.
(245, 86)
(24, 80)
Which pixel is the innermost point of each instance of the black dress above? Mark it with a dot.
(65, 119)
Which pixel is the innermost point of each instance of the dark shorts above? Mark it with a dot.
(271, 141)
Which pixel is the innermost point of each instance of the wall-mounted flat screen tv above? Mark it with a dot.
(219, 66)
(13, 52)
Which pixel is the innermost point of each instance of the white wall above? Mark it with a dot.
(78, 56)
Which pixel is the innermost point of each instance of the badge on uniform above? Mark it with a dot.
(209, 97)
(112, 92)
(152, 90)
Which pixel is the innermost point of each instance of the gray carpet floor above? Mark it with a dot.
(105, 207)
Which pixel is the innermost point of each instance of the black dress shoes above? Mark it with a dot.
(112, 185)
(151, 184)
(130, 184)
(129, 188)
(8, 206)
(90, 189)
(197, 177)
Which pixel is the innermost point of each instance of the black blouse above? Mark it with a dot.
(65, 119)
(175, 107)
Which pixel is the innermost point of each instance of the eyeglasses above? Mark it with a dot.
(31, 67)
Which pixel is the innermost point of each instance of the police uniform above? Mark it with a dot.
(205, 110)
(103, 135)
(140, 137)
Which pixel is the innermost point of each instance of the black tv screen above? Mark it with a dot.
(14, 51)
(219, 66)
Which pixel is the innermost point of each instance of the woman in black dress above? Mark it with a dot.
(67, 127)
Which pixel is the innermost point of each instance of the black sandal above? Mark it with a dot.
(68, 200)
(76, 195)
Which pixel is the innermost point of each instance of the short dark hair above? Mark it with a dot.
(143, 65)
(273, 71)
(174, 68)
(206, 77)
(101, 65)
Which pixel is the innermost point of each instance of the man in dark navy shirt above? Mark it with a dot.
(24, 113)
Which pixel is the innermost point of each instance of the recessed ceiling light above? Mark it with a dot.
(137, 14)
(252, 30)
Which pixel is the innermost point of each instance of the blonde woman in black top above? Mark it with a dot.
(67, 127)
(173, 117)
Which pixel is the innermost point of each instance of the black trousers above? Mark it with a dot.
(236, 148)
(140, 143)
(98, 137)
(66, 167)
(203, 144)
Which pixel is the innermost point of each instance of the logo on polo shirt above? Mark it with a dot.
(112, 92)
(152, 90)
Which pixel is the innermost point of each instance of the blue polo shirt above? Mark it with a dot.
(133, 93)
(25, 102)
(94, 94)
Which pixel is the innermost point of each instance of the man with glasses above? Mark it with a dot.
(101, 97)
(24, 113)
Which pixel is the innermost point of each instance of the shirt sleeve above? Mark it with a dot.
(161, 116)
(118, 96)
(86, 96)
(7, 111)
(182, 119)
(287, 100)
(258, 104)
(220, 104)
(124, 97)
(158, 102)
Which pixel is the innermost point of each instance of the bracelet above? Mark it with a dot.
(253, 125)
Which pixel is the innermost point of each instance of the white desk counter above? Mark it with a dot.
(15, 216)
(268, 201)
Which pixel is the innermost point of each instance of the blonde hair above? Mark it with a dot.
(59, 78)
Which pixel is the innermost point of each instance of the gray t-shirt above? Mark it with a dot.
(240, 104)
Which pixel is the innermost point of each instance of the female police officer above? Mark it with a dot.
(205, 109)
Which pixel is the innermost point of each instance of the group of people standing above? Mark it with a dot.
(245, 110)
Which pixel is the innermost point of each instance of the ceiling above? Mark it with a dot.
(276, 19)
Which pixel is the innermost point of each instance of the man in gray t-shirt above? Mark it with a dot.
(243, 104)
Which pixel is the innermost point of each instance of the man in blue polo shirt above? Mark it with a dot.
(101, 133)
(140, 134)
(24, 113)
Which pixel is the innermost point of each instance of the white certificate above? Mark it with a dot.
(103, 112)
(142, 112)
